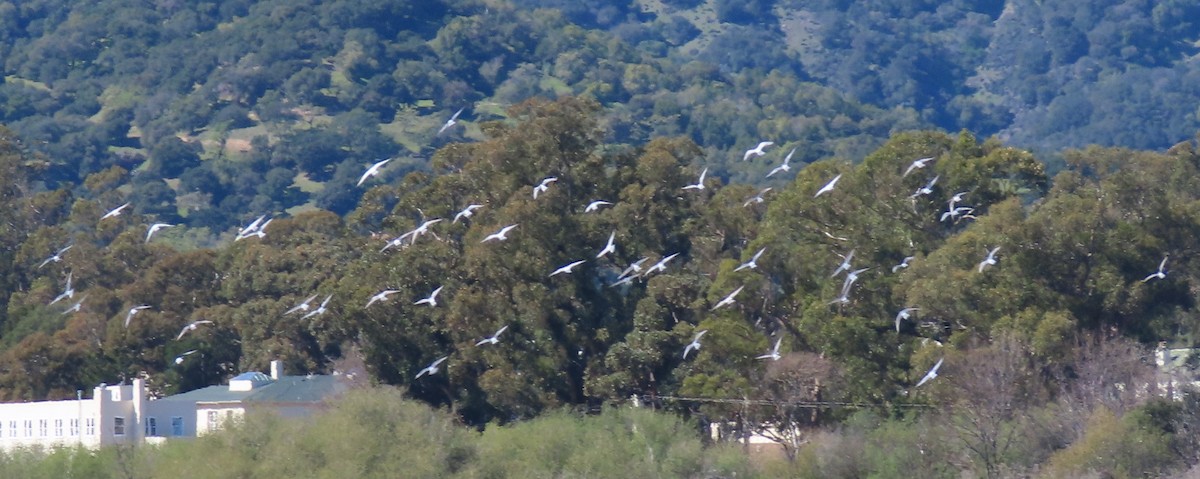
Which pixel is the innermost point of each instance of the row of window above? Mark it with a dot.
(25, 428)
(14, 428)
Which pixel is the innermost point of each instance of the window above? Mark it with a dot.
(58, 427)
(12, 428)
(1, 428)
(43, 427)
(28, 428)
(151, 426)
(74, 427)
(213, 420)
(91, 426)
(177, 426)
(118, 426)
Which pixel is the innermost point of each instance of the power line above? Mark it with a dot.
(799, 404)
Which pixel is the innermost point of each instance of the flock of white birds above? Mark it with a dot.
(634, 271)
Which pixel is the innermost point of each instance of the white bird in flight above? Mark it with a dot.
(610, 247)
(699, 184)
(957, 198)
(255, 229)
(695, 344)
(179, 358)
(432, 299)
(466, 212)
(56, 257)
(661, 265)
(753, 263)
(494, 338)
(115, 211)
(303, 306)
(989, 260)
(76, 307)
(845, 266)
(432, 368)
(904, 314)
(903, 263)
(1160, 274)
(567, 269)
(320, 309)
(191, 327)
(931, 374)
(544, 186)
(373, 170)
(69, 292)
(757, 198)
(785, 166)
(132, 311)
(154, 229)
(380, 297)
(595, 205)
(773, 354)
(925, 190)
(728, 299)
(501, 235)
(252, 227)
(828, 186)
(634, 268)
(452, 121)
(757, 151)
(916, 164)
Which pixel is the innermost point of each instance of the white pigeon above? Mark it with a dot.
(695, 344)
(380, 296)
(115, 212)
(699, 184)
(466, 212)
(179, 358)
(785, 166)
(595, 205)
(989, 260)
(69, 292)
(634, 268)
(303, 306)
(931, 374)
(1160, 274)
(56, 257)
(773, 354)
(904, 314)
(623, 280)
(954, 214)
(257, 228)
(757, 151)
(845, 266)
(373, 170)
(432, 368)
(431, 300)
(661, 265)
(957, 198)
(851, 277)
(396, 242)
(501, 235)
(191, 327)
(420, 230)
(903, 263)
(452, 121)
(610, 247)
(916, 164)
(756, 198)
(132, 311)
(544, 186)
(728, 299)
(567, 269)
(752, 264)
(494, 338)
(154, 229)
(828, 186)
(320, 309)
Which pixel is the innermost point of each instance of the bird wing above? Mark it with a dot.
(931, 374)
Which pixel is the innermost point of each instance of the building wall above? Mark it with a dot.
(164, 414)
(85, 422)
(212, 417)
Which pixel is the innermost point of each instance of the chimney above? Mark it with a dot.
(276, 369)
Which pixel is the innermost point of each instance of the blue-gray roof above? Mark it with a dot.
(288, 389)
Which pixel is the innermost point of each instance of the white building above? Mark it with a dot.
(110, 416)
(123, 414)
